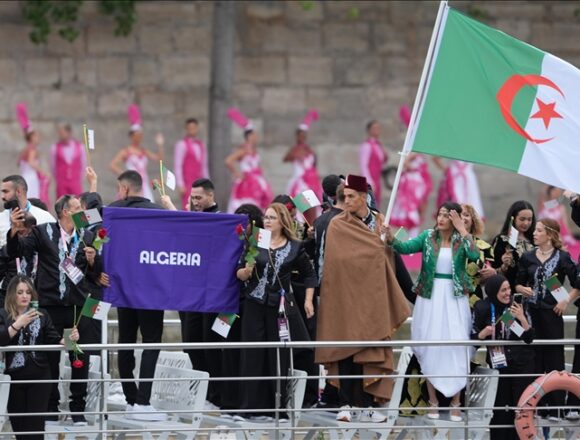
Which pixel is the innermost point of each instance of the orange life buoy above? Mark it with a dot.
(555, 380)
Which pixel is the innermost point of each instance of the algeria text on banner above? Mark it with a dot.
(495, 100)
(172, 260)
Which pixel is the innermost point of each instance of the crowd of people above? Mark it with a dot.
(335, 265)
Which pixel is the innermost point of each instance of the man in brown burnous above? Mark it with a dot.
(360, 300)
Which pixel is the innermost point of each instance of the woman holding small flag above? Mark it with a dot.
(270, 311)
(134, 156)
(442, 307)
(501, 317)
(250, 185)
(22, 323)
(518, 228)
(541, 274)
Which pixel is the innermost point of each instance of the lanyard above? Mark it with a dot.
(493, 321)
(282, 307)
(75, 243)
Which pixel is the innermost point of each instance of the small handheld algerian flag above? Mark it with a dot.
(513, 236)
(86, 218)
(91, 139)
(509, 105)
(93, 308)
(223, 324)
(169, 178)
(263, 237)
(508, 319)
(556, 289)
(306, 200)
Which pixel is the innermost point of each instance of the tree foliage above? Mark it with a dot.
(63, 16)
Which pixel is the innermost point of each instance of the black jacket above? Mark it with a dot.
(135, 202)
(38, 332)
(45, 239)
(516, 355)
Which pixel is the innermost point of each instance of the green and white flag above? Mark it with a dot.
(169, 178)
(93, 308)
(494, 100)
(86, 218)
(306, 200)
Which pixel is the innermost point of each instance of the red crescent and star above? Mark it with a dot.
(546, 111)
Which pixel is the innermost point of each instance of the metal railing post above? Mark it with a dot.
(278, 393)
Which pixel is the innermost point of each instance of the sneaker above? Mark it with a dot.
(373, 416)
(238, 418)
(210, 406)
(147, 413)
(79, 420)
(228, 416)
(344, 415)
(554, 419)
(261, 419)
(573, 415)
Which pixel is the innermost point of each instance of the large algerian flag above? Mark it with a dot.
(492, 99)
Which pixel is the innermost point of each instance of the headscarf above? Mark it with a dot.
(492, 286)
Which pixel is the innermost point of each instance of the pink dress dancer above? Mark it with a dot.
(413, 194)
(250, 185)
(28, 161)
(190, 164)
(460, 185)
(139, 162)
(372, 158)
(68, 162)
(305, 175)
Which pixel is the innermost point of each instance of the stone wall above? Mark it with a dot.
(287, 60)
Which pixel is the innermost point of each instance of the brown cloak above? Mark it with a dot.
(360, 300)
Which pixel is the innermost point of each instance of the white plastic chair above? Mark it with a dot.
(186, 393)
(92, 405)
(175, 359)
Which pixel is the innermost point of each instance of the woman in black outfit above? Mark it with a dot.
(535, 268)
(520, 359)
(22, 325)
(521, 216)
(266, 287)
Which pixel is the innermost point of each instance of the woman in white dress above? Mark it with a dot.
(442, 310)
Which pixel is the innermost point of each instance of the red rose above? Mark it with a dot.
(290, 206)
(78, 363)
(102, 233)
(239, 229)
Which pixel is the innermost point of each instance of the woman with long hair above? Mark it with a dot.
(479, 270)
(522, 217)
(535, 270)
(21, 324)
(268, 300)
(442, 307)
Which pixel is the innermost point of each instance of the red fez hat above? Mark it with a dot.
(358, 183)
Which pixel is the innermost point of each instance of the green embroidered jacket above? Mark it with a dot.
(429, 243)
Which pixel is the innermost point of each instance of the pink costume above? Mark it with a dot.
(139, 162)
(68, 161)
(460, 185)
(558, 213)
(253, 186)
(37, 182)
(305, 174)
(372, 158)
(190, 164)
(414, 189)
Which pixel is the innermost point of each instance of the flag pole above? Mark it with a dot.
(435, 37)
(161, 175)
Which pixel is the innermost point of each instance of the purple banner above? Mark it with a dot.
(172, 260)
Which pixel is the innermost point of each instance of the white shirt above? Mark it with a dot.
(40, 215)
